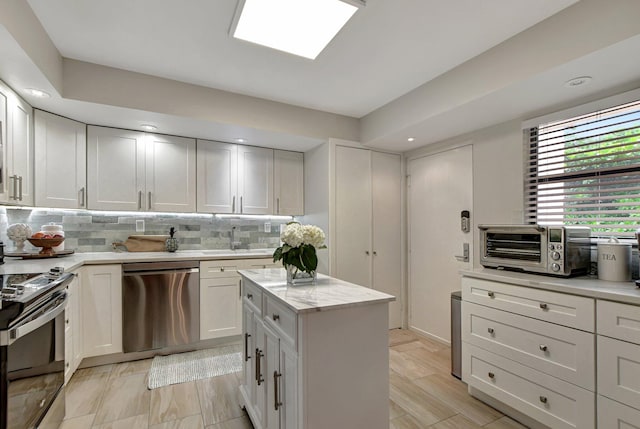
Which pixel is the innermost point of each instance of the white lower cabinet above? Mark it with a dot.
(101, 299)
(72, 334)
(532, 350)
(614, 415)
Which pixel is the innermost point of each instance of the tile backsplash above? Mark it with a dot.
(95, 231)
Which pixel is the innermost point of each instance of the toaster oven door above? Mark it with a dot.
(509, 246)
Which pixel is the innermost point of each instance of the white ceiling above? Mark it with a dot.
(388, 48)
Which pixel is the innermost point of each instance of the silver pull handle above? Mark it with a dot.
(15, 187)
(259, 378)
(490, 330)
(543, 348)
(275, 317)
(491, 375)
(149, 201)
(20, 187)
(465, 253)
(139, 200)
(240, 204)
(277, 208)
(233, 204)
(81, 196)
(276, 394)
(246, 347)
(491, 294)
(543, 399)
(544, 306)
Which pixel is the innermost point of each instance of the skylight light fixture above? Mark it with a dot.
(299, 27)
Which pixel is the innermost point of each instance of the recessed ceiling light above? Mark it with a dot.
(578, 81)
(410, 139)
(299, 27)
(38, 93)
(240, 140)
(148, 127)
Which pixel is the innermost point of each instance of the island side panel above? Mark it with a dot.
(345, 356)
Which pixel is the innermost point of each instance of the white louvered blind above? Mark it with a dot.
(586, 171)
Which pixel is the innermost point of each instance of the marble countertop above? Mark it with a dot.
(626, 292)
(76, 260)
(327, 294)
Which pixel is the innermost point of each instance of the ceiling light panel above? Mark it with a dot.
(299, 27)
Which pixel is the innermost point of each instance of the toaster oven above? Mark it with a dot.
(556, 250)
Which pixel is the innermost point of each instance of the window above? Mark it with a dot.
(585, 170)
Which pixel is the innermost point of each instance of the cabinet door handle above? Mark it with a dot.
(491, 375)
(544, 306)
(491, 294)
(259, 378)
(278, 208)
(149, 202)
(139, 200)
(81, 196)
(15, 186)
(240, 204)
(233, 204)
(246, 346)
(543, 399)
(20, 187)
(275, 317)
(490, 330)
(543, 348)
(276, 391)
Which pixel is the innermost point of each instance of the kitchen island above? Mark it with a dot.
(315, 356)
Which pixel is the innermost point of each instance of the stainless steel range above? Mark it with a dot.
(32, 349)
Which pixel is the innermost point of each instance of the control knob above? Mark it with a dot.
(555, 256)
(555, 267)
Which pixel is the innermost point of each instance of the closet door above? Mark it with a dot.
(386, 185)
(353, 215)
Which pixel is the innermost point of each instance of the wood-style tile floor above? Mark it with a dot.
(423, 395)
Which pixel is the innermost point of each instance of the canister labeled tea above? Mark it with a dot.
(614, 261)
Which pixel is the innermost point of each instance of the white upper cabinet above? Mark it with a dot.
(217, 177)
(288, 182)
(130, 170)
(255, 180)
(18, 150)
(60, 161)
(234, 179)
(170, 174)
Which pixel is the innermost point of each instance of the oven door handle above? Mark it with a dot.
(27, 327)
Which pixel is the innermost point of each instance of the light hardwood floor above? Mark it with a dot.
(423, 395)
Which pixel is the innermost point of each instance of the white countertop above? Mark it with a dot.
(585, 286)
(327, 294)
(76, 260)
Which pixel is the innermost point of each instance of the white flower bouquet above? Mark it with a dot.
(298, 251)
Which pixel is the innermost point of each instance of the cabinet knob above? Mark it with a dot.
(366, 252)
(375, 253)
(66, 321)
(222, 269)
(543, 399)
(490, 330)
(276, 317)
(544, 306)
(491, 294)
(250, 296)
(543, 348)
(491, 375)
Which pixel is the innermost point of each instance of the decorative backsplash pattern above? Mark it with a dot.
(94, 231)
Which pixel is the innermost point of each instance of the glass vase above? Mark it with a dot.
(297, 277)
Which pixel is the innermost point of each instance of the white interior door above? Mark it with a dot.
(440, 187)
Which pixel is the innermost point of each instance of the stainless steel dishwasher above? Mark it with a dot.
(160, 304)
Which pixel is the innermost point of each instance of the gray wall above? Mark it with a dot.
(89, 231)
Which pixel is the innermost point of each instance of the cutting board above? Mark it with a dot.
(145, 243)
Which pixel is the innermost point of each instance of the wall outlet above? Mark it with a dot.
(267, 227)
(140, 225)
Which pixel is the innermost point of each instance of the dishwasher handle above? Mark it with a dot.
(167, 271)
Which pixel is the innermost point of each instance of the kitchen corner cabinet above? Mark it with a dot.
(17, 177)
(367, 250)
(288, 182)
(135, 171)
(101, 307)
(234, 178)
(60, 161)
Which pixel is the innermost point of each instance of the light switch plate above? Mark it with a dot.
(139, 225)
(267, 227)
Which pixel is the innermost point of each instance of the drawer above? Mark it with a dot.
(566, 353)
(252, 295)
(568, 310)
(219, 269)
(544, 398)
(621, 321)
(283, 319)
(619, 371)
(267, 263)
(612, 414)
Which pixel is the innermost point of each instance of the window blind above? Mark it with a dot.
(585, 171)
